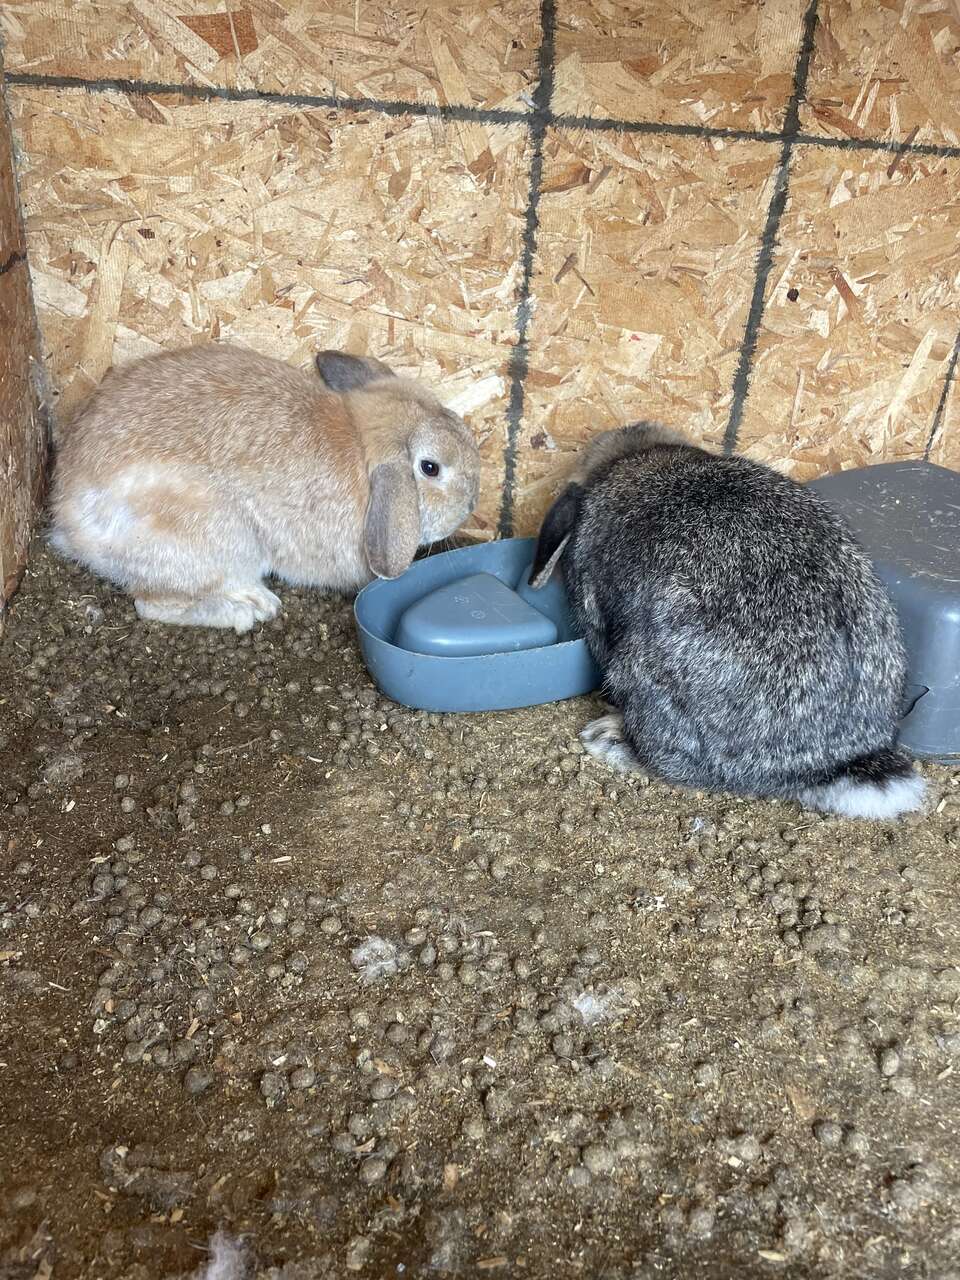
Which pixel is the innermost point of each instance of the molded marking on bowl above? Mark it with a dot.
(471, 616)
(560, 667)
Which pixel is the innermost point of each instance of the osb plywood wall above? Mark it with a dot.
(22, 444)
(742, 218)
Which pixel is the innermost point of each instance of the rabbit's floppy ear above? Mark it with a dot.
(555, 534)
(391, 532)
(341, 372)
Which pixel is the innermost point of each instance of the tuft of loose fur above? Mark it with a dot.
(375, 958)
(745, 640)
(227, 1261)
(596, 1005)
(190, 477)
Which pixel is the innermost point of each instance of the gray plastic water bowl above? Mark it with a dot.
(425, 646)
(906, 516)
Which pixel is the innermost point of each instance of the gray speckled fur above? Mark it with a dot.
(742, 632)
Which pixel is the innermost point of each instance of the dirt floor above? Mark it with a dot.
(401, 995)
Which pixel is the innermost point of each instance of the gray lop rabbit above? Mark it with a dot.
(743, 635)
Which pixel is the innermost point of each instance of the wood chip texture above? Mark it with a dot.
(22, 446)
(479, 54)
(157, 224)
(861, 316)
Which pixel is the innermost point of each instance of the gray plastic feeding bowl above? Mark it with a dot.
(463, 631)
(906, 516)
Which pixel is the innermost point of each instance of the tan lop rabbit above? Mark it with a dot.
(188, 477)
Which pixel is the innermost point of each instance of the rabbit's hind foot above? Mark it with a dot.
(605, 740)
(240, 608)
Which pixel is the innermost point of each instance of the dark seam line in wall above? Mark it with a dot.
(768, 241)
(944, 397)
(540, 121)
(479, 115)
(202, 92)
(658, 128)
(14, 260)
(940, 150)
(661, 128)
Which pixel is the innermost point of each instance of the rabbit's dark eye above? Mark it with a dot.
(430, 468)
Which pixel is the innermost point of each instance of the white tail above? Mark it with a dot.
(852, 798)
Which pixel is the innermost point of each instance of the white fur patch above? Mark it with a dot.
(103, 518)
(599, 1005)
(377, 958)
(227, 1261)
(852, 799)
(604, 740)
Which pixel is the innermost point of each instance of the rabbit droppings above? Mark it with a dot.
(187, 477)
(743, 635)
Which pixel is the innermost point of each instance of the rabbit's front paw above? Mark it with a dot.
(605, 740)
